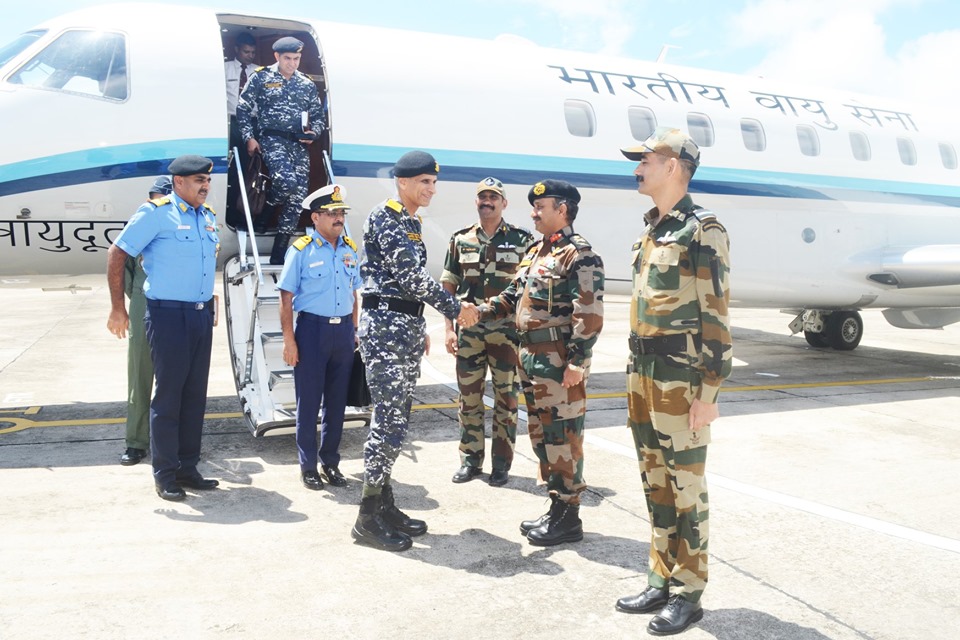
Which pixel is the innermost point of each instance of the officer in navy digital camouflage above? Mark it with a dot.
(290, 116)
(393, 340)
(680, 353)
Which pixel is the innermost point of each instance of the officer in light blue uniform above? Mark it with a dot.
(321, 273)
(280, 95)
(177, 235)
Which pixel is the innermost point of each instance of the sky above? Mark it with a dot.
(904, 49)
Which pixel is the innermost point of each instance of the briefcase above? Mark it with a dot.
(358, 393)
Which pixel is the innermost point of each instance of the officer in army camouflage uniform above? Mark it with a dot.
(680, 354)
(393, 340)
(558, 299)
(280, 94)
(480, 263)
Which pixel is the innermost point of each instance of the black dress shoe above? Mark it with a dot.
(499, 477)
(171, 492)
(132, 456)
(650, 600)
(466, 473)
(675, 617)
(333, 476)
(311, 480)
(196, 481)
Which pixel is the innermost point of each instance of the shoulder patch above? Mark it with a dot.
(159, 202)
(394, 205)
(580, 242)
(711, 224)
(302, 242)
(350, 243)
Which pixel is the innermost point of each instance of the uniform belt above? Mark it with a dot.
(276, 133)
(547, 334)
(674, 343)
(408, 307)
(306, 315)
(178, 304)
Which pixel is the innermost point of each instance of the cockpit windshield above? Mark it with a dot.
(21, 42)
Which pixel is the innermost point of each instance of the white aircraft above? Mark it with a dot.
(834, 202)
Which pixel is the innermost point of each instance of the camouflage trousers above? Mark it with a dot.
(555, 418)
(392, 346)
(289, 166)
(672, 460)
(477, 349)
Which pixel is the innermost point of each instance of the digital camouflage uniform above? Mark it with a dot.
(391, 342)
(480, 267)
(279, 103)
(681, 350)
(558, 298)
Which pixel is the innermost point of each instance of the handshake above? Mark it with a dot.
(469, 315)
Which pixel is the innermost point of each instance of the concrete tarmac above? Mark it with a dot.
(833, 476)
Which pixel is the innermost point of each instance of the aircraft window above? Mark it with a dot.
(808, 139)
(22, 42)
(700, 128)
(643, 122)
(754, 138)
(581, 120)
(860, 145)
(87, 62)
(948, 155)
(908, 152)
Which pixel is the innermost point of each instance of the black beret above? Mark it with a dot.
(415, 163)
(554, 189)
(162, 185)
(190, 165)
(288, 45)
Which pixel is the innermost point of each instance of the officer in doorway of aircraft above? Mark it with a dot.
(177, 235)
(393, 340)
(680, 353)
(290, 117)
(557, 297)
(320, 277)
(480, 263)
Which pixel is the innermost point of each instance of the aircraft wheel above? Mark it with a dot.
(816, 340)
(844, 330)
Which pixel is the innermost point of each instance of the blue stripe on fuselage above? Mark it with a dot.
(369, 161)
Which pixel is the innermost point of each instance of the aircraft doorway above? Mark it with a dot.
(264, 32)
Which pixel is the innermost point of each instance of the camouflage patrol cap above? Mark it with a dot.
(415, 163)
(669, 142)
(329, 197)
(554, 189)
(190, 165)
(490, 184)
(288, 45)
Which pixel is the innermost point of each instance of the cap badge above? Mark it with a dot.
(436, 167)
(335, 196)
(538, 189)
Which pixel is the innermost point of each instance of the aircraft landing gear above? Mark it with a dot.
(841, 330)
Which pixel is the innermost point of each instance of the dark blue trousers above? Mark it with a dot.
(321, 376)
(180, 337)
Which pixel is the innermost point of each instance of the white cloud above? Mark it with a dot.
(602, 26)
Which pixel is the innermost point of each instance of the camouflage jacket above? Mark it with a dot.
(681, 271)
(479, 266)
(559, 284)
(279, 103)
(394, 261)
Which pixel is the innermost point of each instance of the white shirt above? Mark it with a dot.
(231, 69)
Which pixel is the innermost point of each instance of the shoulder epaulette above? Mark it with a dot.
(394, 205)
(259, 69)
(159, 202)
(350, 243)
(209, 208)
(580, 242)
(636, 246)
(302, 242)
(464, 230)
(707, 219)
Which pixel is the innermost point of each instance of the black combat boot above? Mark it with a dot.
(563, 527)
(398, 519)
(528, 525)
(371, 529)
(280, 243)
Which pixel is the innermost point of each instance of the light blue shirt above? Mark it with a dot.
(321, 277)
(179, 246)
